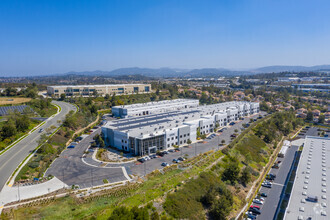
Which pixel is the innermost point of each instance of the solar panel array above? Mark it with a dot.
(5, 110)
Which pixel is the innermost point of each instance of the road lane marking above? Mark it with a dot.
(278, 184)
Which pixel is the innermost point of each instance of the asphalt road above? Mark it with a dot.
(273, 194)
(10, 160)
(71, 169)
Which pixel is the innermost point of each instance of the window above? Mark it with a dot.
(180, 142)
(122, 141)
(56, 90)
(184, 135)
(172, 138)
(188, 134)
(146, 88)
(180, 136)
(168, 145)
(184, 141)
(168, 139)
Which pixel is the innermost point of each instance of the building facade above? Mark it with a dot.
(149, 133)
(102, 90)
(149, 108)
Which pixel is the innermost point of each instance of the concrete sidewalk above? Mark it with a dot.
(12, 194)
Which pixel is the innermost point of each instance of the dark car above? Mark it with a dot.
(232, 123)
(263, 194)
(153, 156)
(171, 151)
(254, 210)
(142, 160)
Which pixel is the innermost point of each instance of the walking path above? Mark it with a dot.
(16, 193)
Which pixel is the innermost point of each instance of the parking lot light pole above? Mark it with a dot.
(145, 168)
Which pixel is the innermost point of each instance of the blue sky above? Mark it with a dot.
(57, 36)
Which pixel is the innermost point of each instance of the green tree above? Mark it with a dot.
(321, 119)
(23, 123)
(245, 176)
(309, 117)
(188, 141)
(62, 96)
(198, 132)
(231, 171)
(8, 129)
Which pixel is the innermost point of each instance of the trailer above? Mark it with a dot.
(285, 147)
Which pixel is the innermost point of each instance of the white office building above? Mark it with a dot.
(148, 133)
(149, 108)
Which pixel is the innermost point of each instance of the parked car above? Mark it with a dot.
(71, 146)
(171, 151)
(181, 159)
(95, 127)
(41, 130)
(255, 206)
(177, 149)
(175, 160)
(266, 185)
(147, 158)
(255, 211)
(260, 198)
(232, 123)
(165, 152)
(257, 201)
(263, 194)
(164, 164)
(153, 156)
(250, 216)
(141, 160)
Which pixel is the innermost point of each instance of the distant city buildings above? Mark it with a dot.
(102, 90)
(153, 132)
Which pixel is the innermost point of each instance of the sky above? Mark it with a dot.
(39, 37)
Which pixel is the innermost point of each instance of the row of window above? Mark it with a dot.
(176, 143)
(176, 137)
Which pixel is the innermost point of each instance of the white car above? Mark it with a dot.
(257, 201)
(147, 158)
(260, 198)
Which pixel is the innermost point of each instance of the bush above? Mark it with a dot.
(33, 164)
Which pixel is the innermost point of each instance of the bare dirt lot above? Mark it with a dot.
(10, 100)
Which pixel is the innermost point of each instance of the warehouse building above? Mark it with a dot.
(153, 107)
(102, 90)
(310, 194)
(149, 133)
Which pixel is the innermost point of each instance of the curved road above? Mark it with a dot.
(10, 160)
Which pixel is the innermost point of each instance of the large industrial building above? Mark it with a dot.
(150, 133)
(310, 194)
(102, 90)
(153, 107)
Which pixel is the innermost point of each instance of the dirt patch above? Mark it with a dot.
(14, 101)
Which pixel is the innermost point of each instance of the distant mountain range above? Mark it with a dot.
(204, 72)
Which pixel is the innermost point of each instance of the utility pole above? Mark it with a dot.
(218, 142)
(195, 148)
(19, 196)
(92, 176)
(145, 168)
(63, 178)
